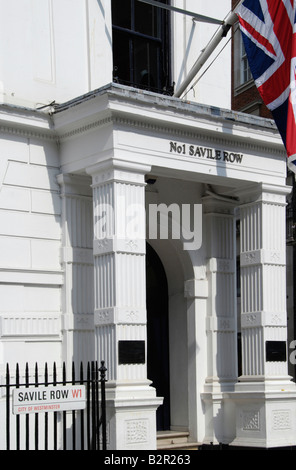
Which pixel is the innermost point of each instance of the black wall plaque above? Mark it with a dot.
(131, 352)
(276, 351)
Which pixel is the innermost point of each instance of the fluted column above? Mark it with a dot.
(221, 324)
(221, 318)
(263, 283)
(265, 395)
(77, 262)
(120, 301)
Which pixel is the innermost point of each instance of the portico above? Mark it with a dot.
(122, 151)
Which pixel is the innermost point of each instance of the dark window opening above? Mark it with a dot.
(141, 45)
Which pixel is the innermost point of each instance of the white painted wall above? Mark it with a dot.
(56, 50)
(30, 269)
(189, 39)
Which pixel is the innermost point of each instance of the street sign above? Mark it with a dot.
(45, 399)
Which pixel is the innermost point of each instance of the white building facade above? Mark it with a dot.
(87, 270)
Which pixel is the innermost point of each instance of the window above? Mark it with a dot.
(242, 72)
(141, 52)
(246, 74)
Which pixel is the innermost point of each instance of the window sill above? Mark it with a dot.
(245, 86)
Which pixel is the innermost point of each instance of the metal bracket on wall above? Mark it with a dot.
(196, 16)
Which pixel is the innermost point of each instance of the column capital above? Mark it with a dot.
(220, 205)
(118, 170)
(262, 192)
(74, 184)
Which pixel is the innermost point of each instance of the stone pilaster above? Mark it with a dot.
(120, 302)
(263, 285)
(266, 396)
(221, 325)
(196, 293)
(77, 262)
(221, 317)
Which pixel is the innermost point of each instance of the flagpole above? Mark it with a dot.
(217, 38)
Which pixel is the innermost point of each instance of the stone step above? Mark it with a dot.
(175, 440)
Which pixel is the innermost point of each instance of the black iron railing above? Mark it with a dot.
(70, 429)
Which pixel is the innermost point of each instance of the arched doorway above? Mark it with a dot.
(158, 334)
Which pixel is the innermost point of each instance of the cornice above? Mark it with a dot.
(25, 122)
(200, 135)
(28, 133)
(218, 138)
(82, 129)
(125, 108)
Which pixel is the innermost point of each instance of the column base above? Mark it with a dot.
(219, 412)
(265, 413)
(131, 416)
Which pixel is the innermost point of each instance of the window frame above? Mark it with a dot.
(160, 44)
(242, 73)
(245, 71)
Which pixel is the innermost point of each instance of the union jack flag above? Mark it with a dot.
(268, 30)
